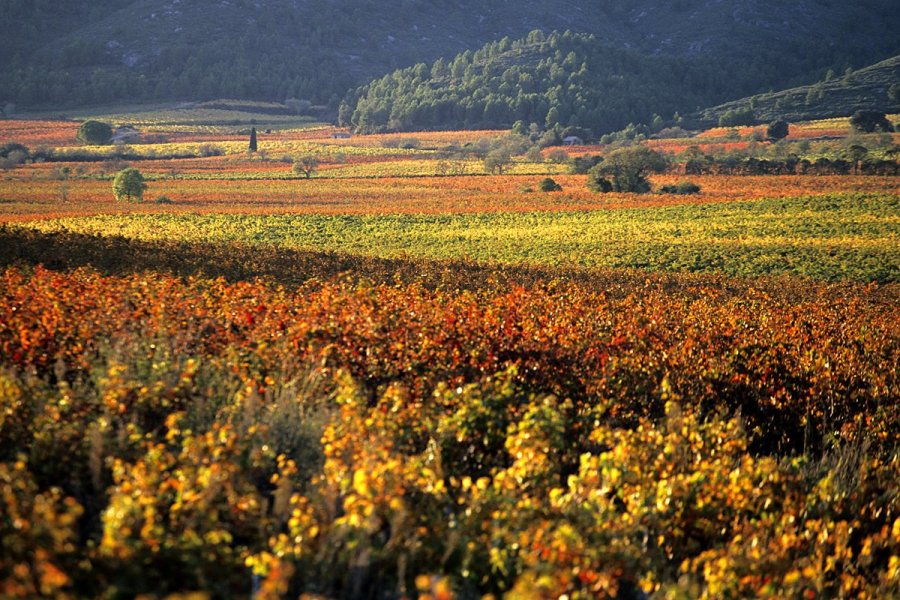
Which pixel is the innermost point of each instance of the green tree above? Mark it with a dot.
(497, 160)
(627, 169)
(306, 165)
(95, 133)
(252, 147)
(777, 130)
(868, 121)
(129, 185)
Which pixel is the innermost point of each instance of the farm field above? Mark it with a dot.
(830, 238)
(405, 376)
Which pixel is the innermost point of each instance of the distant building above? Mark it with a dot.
(125, 134)
(573, 140)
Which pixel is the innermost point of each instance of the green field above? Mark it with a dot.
(846, 237)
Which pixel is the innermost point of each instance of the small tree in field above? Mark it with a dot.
(129, 185)
(306, 165)
(497, 160)
(868, 121)
(252, 147)
(626, 170)
(777, 130)
(94, 133)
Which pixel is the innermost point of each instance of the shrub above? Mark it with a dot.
(580, 165)
(94, 133)
(682, 189)
(548, 185)
(869, 121)
(778, 130)
(206, 150)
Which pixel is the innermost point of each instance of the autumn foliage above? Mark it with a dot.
(677, 434)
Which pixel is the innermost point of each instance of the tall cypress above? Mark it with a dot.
(253, 140)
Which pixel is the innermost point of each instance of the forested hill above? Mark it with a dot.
(559, 79)
(876, 87)
(55, 53)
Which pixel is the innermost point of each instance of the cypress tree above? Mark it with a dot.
(253, 140)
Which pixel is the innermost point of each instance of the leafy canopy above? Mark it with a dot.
(129, 185)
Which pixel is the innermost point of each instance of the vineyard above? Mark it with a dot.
(407, 377)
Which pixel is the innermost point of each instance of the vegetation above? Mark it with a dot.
(129, 186)
(628, 168)
(94, 133)
(88, 52)
(551, 81)
(407, 377)
(866, 88)
(549, 185)
(778, 130)
(684, 188)
(869, 121)
(152, 419)
(831, 237)
(306, 164)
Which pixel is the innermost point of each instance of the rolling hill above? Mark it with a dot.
(79, 52)
(866, 88)
(553, 80)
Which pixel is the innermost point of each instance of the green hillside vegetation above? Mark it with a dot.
(834, 96)
(563, 79)
(82, 52)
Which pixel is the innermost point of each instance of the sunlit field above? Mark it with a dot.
(412, 373)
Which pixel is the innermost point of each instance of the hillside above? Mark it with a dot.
(80, 52)
(556, 80)
(866, 88)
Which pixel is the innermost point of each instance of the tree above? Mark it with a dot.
(868, 121)
(253, 146)
(129, 185)
(306, 164)
(497, 160)
(94, 133)
(777, 130)
(628, 169)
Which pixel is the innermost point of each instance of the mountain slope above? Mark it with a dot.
(72, 52)
(560, 79)
(867, 88)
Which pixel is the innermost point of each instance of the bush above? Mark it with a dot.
(682, 189)
(869, 121)
(580, 165)
(777, 130)
(548, 185)
(94, 133)
(206, 150)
